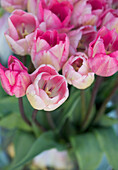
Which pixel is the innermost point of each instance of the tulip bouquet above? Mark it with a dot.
(62, 78)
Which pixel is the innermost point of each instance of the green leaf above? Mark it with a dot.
(107, 121)
(23, 142)
(44, 142)
(2, 93)
(109, 144)
(87, 151)
(8, 105)
(13, 121)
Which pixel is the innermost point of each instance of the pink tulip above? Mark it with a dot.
(55, 14)
(48, 89)
(80, 38)
(14, 79)
(110, 19)
(103, 53)
(50, 47)
(11, 5)
(87, 12)
(20, 32)
(77, 71)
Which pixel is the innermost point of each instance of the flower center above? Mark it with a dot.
(108, 52)
(22, 32)
(77, 64)
(47, 89)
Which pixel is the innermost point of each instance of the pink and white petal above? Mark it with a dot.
(14, 46)
(103, 65)
(43, 68)
(35, 101)
(42, 44)
(98, 47)
(74, 38)
(5, 82)
(57, 50)
(52, 21)
(45, 57)
(12, 30)
(83, 81)
(23, 44)
(18, 12)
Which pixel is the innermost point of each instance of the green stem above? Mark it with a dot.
(103, 107)
(92, 100)
(21, 107)
(34, 114)
(50, 120)
(83, 104)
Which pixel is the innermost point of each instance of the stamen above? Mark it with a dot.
(47, 91)
(108, 52)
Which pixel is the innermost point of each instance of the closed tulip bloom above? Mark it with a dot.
(11, 5)
(50, 47)
(48, 89)
(14, 79)
(21, 27)
(77, 71)
(103, 53)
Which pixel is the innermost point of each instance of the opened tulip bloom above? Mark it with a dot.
(48, 89)
(14, 79)
(11, 5)
(55, 14)
(87, 12)
(50, 47)
(77, 71)
(20, 32)
(103, 53)
(110, 19)
(80, 38)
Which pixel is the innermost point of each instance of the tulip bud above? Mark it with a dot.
(14, 79)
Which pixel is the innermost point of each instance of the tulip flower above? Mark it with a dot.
(110, 19)
(14, 79)
(48, 89)
(103, 53)
(77, 71)
(20, 32)
(55, 14)
(50, 47)
(87, 12)
(80, 38)
(11, 5)
(47, 159)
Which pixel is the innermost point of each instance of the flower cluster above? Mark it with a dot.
(79, 37)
